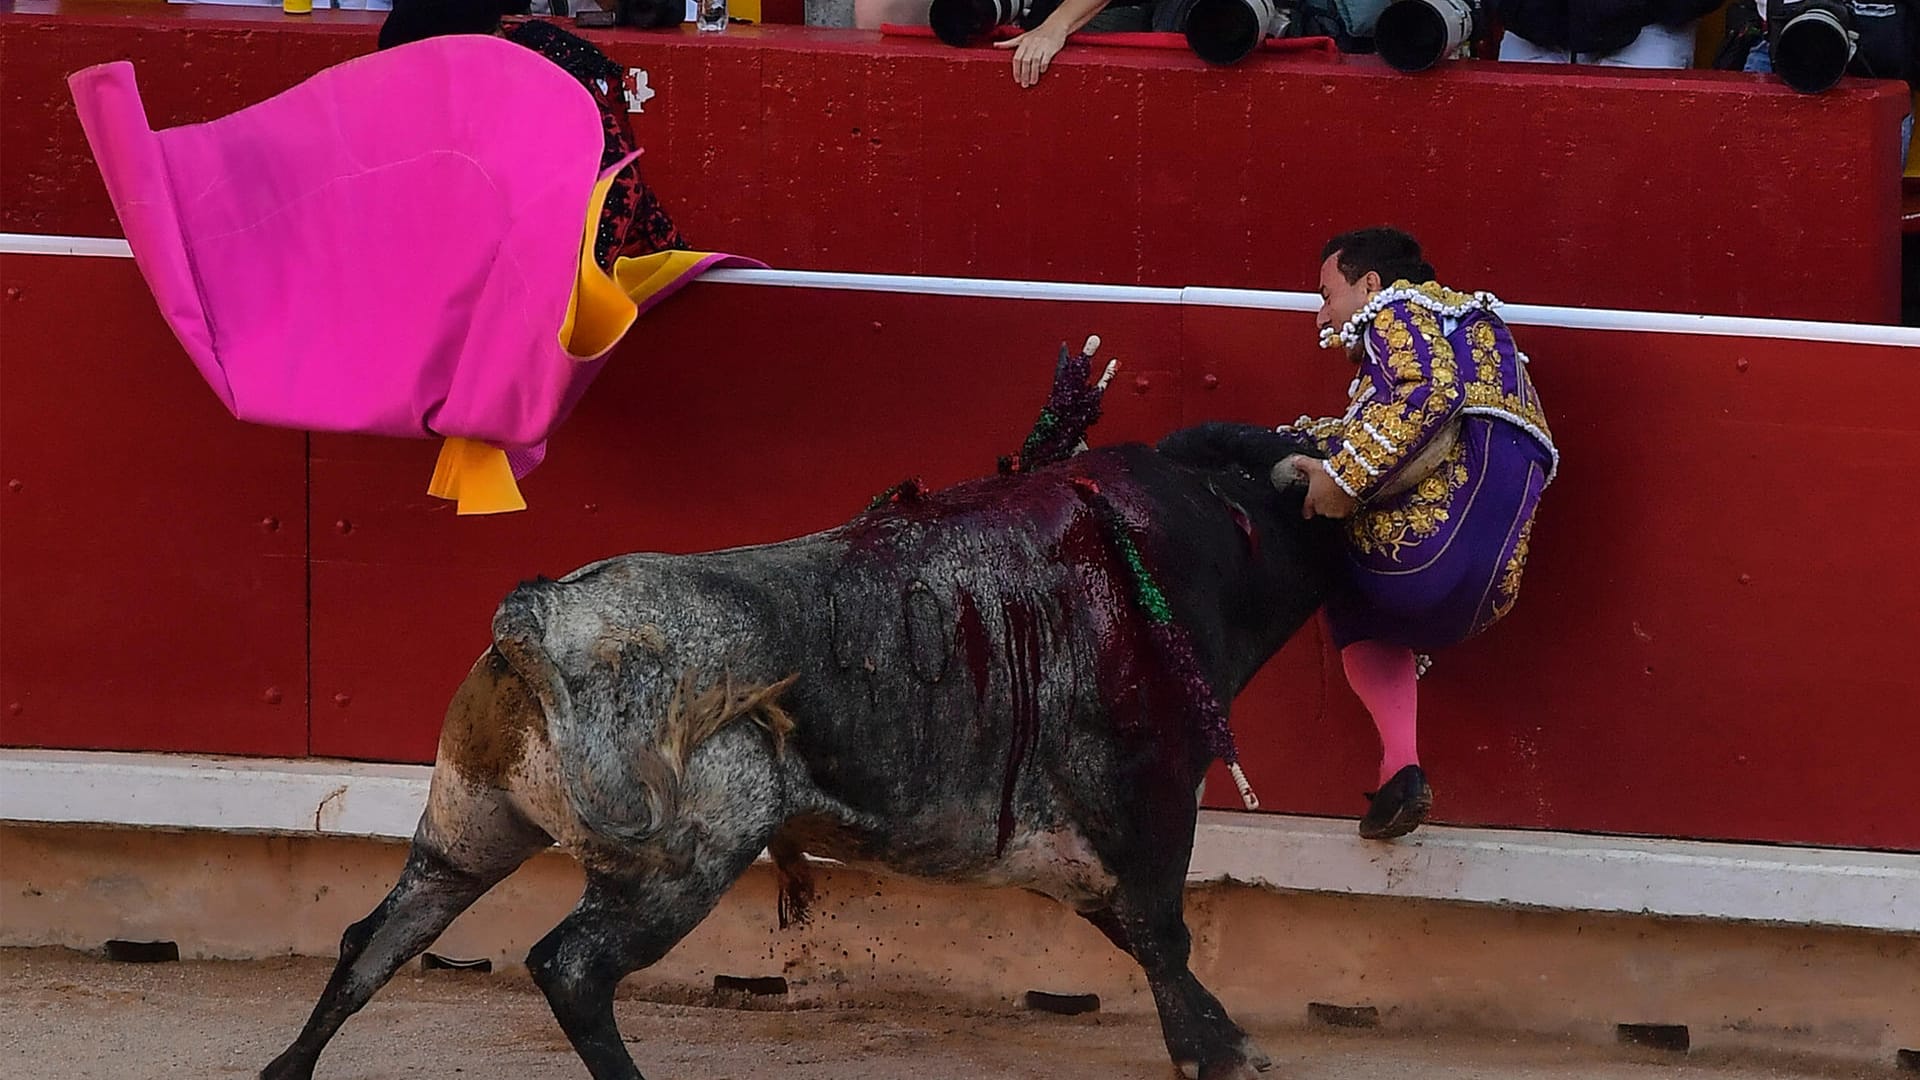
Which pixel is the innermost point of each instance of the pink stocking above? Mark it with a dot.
(1384, 679)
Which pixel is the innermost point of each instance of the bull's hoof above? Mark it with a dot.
(1224, 1070)
(1248, 1067)
(289, 1066)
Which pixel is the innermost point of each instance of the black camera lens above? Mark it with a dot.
(1813, 45)
(1414, 35)
(964, 22)
(1225, 31)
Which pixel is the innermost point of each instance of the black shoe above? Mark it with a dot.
(1399, 807)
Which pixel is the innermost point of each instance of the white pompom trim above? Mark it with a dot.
(1355, 329)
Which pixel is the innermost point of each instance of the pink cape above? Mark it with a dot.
(400, 245)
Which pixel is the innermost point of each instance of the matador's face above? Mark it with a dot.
(1340, 298)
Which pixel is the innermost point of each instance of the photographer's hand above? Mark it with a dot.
(1033, 51)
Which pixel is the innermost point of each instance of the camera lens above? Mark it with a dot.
(1813, 49)
(1414, 35)
(1225, 31)
(964, 22)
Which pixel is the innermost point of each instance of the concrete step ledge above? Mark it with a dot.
(1864, 890)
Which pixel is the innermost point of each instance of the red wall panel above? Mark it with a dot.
(1713, 640)
(153, 579)
(840, 150)
(193, 65)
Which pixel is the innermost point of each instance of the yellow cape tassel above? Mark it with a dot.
(477, 477)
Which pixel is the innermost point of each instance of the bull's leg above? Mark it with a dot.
(1192, 1020)
(623, 924)
(1146, 847)
(434, 888)
(1105, 921)
(1202, 1039)
(472, 835)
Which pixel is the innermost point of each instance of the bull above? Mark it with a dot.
(1006, 682)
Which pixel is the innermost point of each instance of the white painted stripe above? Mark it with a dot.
(1567, 871)
(101, 247)
(178, 791)
(1656, 322)
(1258, 299)
(990, 288)
(1661, 322)
(987, 288)
(1562, 871)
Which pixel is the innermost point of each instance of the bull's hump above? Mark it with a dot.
(1042, 505)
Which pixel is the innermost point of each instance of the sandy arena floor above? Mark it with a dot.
(65, 1016)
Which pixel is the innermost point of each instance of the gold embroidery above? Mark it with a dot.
(1508, 592)
(1431, 296)
(1346, 468)
(1435, 291)
(1484, 350)
(1415, 515)
(1394, 425)
(1486, 390)
(1381, 435)
(1323, 432)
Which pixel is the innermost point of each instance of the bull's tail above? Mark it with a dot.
(623, 789)
(629, 802)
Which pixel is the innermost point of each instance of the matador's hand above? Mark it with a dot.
(1324, 497)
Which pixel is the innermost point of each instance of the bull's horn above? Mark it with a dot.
(1107, 375)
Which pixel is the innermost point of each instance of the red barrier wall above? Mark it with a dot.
(1697, 191)
(153, 573)
(1714, 639)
